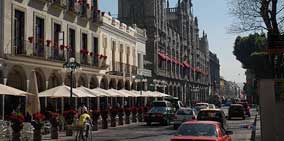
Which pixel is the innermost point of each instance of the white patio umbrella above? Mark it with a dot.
(132, 93)
(7, 90)
(63, 91)
(33, 102)
(92, 92)
(123, 94)
(107, 92)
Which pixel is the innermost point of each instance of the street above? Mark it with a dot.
(141, 132)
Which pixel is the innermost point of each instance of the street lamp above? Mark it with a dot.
(140, 77)
(71, 66)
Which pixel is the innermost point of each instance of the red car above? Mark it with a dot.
(202, 131)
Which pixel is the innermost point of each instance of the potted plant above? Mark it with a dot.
(113, 113)
(69, 119)
(17, 120)
(127, 115)
(134, 114)
(95, 117)
(54, 121)
(104, 115)
(120, 116)
(140, 114)
(38, 123)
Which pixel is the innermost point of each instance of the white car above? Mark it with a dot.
(183, 115)
(200, 106)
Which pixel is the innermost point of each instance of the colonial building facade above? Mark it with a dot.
(180, 58)
(214, 73)
(40, 35)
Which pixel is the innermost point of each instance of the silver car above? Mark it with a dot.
(183, 115)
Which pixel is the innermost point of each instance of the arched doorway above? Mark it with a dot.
(94, 82)
(134, 86)
(67, 80)
(112, 83)
(16, 78)
(104, 83)
(120, 84)
(40, 80)
(54, 80)
(82, 81)
(127, 85)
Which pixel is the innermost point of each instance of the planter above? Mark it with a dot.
(54, 132)
(113, 121)
(140, 117)
(134, 117)
(104, 124)
(69, 131)
(37, 135)
(16, 136)
(127, 119)
(95, 125)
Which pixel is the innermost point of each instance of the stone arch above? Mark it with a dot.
(112, 83)
(83, 80)
(104, 83)
(17, 78)
(54, 80)
(67, 80)
(40, 79)
(120, 84)
(94, 83)
(134, 86)
(127, 85)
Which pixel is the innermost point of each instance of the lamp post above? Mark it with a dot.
(71, 66)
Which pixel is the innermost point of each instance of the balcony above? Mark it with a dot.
(62, 4)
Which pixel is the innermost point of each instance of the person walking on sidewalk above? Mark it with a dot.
(85, 123)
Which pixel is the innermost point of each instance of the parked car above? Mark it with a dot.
(162, 103)
(163, 115)
(183, 115)
(199, 106)
(236, 110)
(213, 115)
(202, 131)
(211, 106)
(177, 104)
(246, 107)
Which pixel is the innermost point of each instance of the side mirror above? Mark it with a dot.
(229, 132)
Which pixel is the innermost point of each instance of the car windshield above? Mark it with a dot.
(210, 115)
(184, 112)
(158, 110)
(159, 104)
(197, 130)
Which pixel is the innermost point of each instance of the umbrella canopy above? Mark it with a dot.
(6, 90)
(106, 92)
(33, 103)
(63, 91)
(132, 93)
(92, 92)
(123, 94)
(161, 94)
(148, 94)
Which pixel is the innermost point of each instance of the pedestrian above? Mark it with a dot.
(84, 123)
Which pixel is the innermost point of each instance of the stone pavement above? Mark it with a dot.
(258, 130)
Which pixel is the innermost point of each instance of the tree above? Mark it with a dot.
(255, 15)
(244, 49)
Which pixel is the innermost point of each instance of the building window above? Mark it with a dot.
(121, 57)
(105, 45)
(72, 43)
(84, 49)
(113, 48)
(140, 60)
(134, 57)
(39, 37)
(56, 40)
(19, 32)
(96, 50)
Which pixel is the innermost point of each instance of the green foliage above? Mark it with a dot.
(245, 46)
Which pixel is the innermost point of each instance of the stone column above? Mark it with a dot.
(45, 99)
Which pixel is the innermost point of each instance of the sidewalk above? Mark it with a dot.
(62, 136)
(258, 130)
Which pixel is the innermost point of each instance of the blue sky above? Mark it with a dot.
(214, 18)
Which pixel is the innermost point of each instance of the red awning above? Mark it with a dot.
(163, 56)
(186, 64)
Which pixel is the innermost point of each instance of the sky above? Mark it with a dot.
(214, 19)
